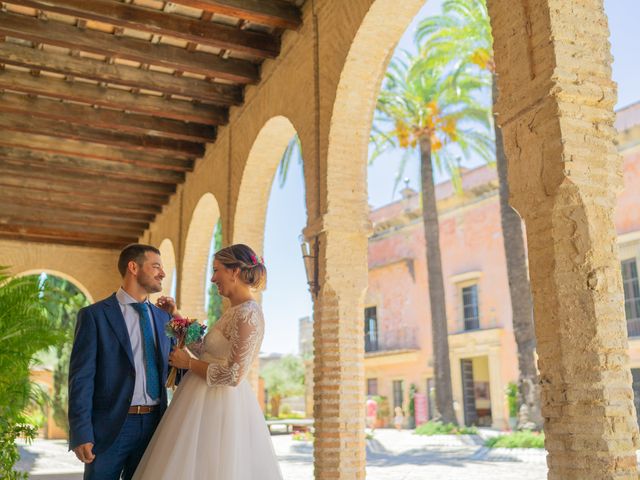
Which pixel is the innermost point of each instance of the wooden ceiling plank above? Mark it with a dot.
(91, 151)
(143, 19)
(51, 223)
(26, 57)
(58, 239)
(138, 143)
(98, 192)
(34, 211)
(112, 98)
(44, 197)
(60, 236)
(64, 163)
(84, 179)
(107, 119)
(175, 58)
(274, 13)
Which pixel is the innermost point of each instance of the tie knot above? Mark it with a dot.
(139, 307)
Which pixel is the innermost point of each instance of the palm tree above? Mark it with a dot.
(423, 109)
(463, 35)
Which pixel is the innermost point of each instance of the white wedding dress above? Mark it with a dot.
(214, 428)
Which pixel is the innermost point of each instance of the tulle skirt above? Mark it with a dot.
(210, 433)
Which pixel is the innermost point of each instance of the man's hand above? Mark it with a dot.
(167, 304)
(84, 452)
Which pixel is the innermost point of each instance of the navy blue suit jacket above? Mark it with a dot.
(102, 373)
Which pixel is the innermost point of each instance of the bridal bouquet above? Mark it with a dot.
(185, 331)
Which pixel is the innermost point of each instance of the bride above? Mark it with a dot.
(214, 428)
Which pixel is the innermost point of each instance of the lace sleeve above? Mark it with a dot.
(244, 337)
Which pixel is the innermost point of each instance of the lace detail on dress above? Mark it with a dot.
(243, 326)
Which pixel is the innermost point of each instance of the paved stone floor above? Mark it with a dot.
(391, 455)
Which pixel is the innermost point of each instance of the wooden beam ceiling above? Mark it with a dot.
(274, 13)
(153, 21)
(133, 49)
(113, 99)
(105, 105)
(107, 119)
(35, 59)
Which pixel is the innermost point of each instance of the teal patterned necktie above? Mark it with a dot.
(149, 349)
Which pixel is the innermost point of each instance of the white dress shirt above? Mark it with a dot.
(132, 320)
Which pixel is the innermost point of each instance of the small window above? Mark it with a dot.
(470, 307)
(398, 393)
(370, 329)
(631, 296)
(372, 386)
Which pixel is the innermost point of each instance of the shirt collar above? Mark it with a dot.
(125, 299)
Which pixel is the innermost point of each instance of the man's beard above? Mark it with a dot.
(148, 283)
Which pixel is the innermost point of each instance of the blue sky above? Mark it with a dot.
(287, 298)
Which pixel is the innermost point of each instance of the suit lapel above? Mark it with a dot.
(116, 320)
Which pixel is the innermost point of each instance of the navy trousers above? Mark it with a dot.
(122, 458)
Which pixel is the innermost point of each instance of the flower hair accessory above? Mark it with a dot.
(256, 260)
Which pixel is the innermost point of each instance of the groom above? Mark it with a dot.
(118, 369)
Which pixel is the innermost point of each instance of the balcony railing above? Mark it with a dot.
(400, 338)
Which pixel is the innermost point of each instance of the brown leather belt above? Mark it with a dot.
(142, 409)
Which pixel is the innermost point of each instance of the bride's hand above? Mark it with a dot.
(167, 304)
(179, 358)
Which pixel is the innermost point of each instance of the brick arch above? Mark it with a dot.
(342, 233)
(192, 280)
(168, 255)
(257, 178)
(65, 276)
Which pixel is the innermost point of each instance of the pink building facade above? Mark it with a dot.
(481, 342)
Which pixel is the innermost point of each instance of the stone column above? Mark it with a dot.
(556, 109)
(338, 371)
(496, 389)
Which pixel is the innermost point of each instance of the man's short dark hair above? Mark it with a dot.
(135, 252)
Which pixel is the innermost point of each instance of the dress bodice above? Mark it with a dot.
(232, 344)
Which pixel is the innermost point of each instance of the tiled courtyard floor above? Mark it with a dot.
(391, 455)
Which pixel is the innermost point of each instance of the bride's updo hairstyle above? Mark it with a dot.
(252, 269)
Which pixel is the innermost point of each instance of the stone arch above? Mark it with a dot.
(193, 270)
(257, 179)
(65, 276)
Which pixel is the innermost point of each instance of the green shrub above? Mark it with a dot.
(438, 428)
(512, 399)
(523, 439)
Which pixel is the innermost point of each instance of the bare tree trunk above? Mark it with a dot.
(444, 395)
(519, 288)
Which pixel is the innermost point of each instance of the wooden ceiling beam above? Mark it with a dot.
(32, 58)
(132, 220)
(136, 50)
(54, 223)
(113, 98)
(137, 143)
(77, 165)
(91, 151)
(108, 119)
(83, 179)
(18, 195)
(137, 220)
(66, 238)
(143, 19)
(274, 13)
(33, 186)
